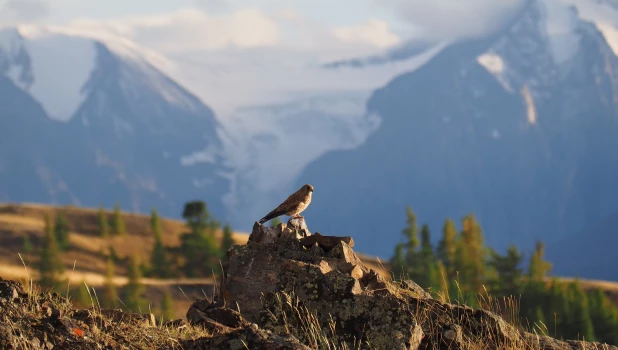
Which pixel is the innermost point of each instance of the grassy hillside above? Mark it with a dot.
(85, 259)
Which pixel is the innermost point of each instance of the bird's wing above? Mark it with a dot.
(283, 207)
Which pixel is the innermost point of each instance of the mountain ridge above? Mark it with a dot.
(454, 140)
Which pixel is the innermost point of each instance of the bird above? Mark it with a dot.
(293, 205)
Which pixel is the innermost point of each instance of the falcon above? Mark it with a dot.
(293, 205)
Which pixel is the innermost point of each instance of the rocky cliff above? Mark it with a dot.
(285, 289)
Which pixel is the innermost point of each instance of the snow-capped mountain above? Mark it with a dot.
(520, 127)
(101, 124)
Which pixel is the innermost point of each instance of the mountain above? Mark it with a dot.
(88, 122)
(588, 253)
(519, 127)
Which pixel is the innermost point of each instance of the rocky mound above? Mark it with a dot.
(285, 289)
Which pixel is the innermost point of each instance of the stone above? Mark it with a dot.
(263, 234)
(9, 290)
(298, 224)
(342, 251)
(415, 289)
(214, 316)
(326, 242)
(248, 337)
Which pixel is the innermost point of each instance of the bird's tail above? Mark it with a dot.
(273, 214)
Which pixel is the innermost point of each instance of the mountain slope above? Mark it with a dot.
(114, 128)
(520, 128)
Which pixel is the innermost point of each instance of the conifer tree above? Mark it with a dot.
(427, 273)
(447, 248)
(411, 232)
(118, 221)
(110, 292)
(473, 257)
(227, 241)
(199, 246)
(167, 306)
(134, 288)
(398, 263)
(411, 244)
(538, 267)
(27, 247)
(508, 271)
(155, 225)
(103, 223)
(61, 230)
(158, 260)
(580, 323)
(604, 317)
(558, 304)
(51, 267)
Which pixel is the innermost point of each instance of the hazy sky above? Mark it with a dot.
(377, 22)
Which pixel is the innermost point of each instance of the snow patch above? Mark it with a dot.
(492, 62)
(61, 65)
(495, 65)
(610, 32)
(603, 14)
(530, 106)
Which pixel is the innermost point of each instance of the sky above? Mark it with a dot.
(377, 23)
(235, 53)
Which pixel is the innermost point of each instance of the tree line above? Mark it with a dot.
(199, 255)
(462, 269)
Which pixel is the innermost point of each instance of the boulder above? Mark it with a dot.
(289, 283)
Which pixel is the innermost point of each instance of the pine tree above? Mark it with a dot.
(103, 223)
(447, 248)
(473, 257)
(118, 222)
(538, 267)
(411, 244)
(134, 289)
(398, 263)
(411, 231)
(199, 246)
(427, 273)
(167, 306)
(604, 316)
(508, 272)
(27, 247)
(110, 292)
(51, 267)
(559, 305)
(158, 260)
(580, 323)
(228, 241)
(61, 230)
(155, 225)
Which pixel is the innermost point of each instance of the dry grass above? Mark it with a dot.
(304, 324)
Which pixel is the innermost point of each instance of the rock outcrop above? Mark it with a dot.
(314, 287)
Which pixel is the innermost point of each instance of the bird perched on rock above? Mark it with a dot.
(293, 205)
